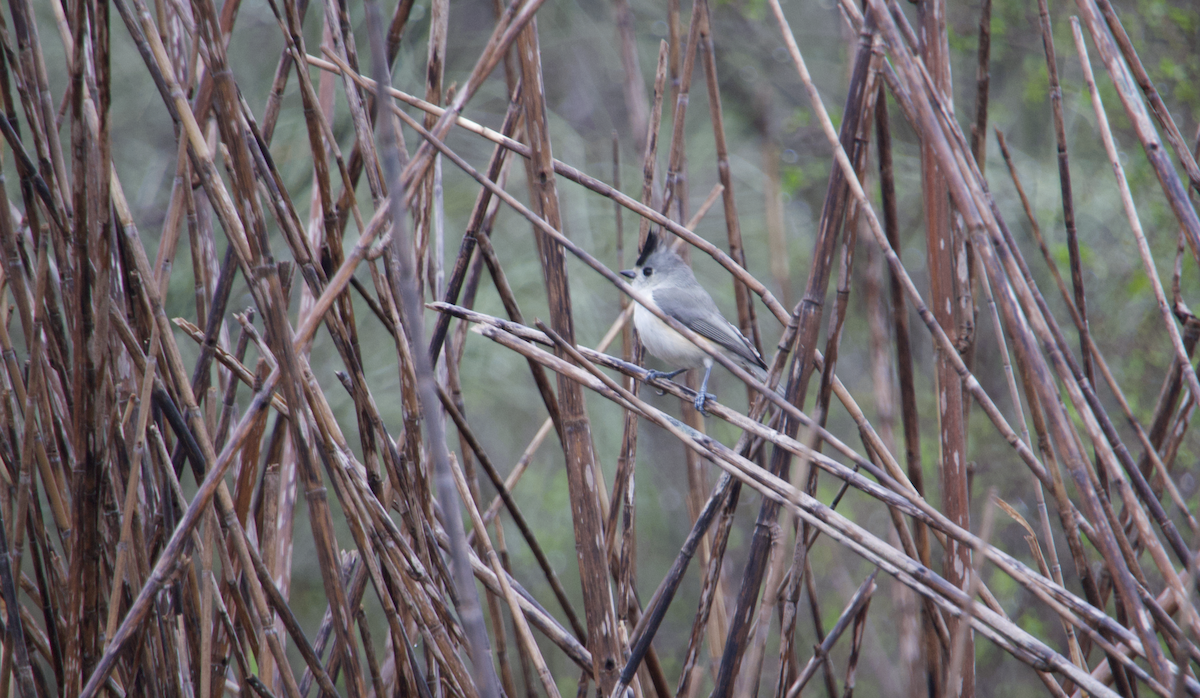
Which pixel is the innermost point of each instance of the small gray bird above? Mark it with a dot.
(672, 288)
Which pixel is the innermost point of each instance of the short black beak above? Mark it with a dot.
(629, 274)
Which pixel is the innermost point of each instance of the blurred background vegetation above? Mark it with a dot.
(770, 125)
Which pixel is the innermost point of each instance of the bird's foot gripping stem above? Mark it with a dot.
(662, 375)
(701, 399)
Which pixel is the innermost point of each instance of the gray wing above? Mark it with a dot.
(691, 305)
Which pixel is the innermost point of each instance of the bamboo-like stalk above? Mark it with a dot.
(1064, 177)
(1060, 431)
(514, 511)
(582, 468)
(937, 520)
(118, 574)
(406, 287)
(594, 184)
(741, 467)
(1168, 178)
(858, 602)
(747, 316)
(808, 320)
(1161, 114)
(963, 197)
(523, 632)
(1131, 213)
(904, 365)
(947, 271)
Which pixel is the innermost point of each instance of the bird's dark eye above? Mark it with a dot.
(647, 271)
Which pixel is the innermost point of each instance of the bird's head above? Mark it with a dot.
(656, 263)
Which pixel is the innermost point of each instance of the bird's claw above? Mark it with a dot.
(653, 375)
(701, 399)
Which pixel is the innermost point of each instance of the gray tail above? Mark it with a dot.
(760, 373)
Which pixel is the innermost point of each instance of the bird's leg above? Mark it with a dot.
(702, 396)
(653, 375)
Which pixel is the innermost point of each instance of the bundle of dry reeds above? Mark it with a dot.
(151, 500)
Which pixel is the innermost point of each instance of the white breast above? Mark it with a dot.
(665, 343)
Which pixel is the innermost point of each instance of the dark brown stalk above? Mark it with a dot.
(709, 587)
(906, 622)
(814, 609)
(369, 650)
(962, 195)
(983, 76)
(632, 352)
(619, 220)
(460, 422)
(1138, 479)
(575, 175)
(363, 155)
(799, 560)
(675, 182)
(39, 109)
(576, 430)
(508, 682)
(428, 227)
(1064, 178)
(361, 113)
(858, 603)
(317, 129)
(24, 676)
(856, 640)
(1168, 399)
(476, 221)
(406, 288)
(747, 317)
(808, 314)
(904, 368)
(941, 246)
(84, 609)
(624, 482)
(650, 621)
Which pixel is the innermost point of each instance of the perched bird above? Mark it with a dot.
(669, 284)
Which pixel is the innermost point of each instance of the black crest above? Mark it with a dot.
(648, 248)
